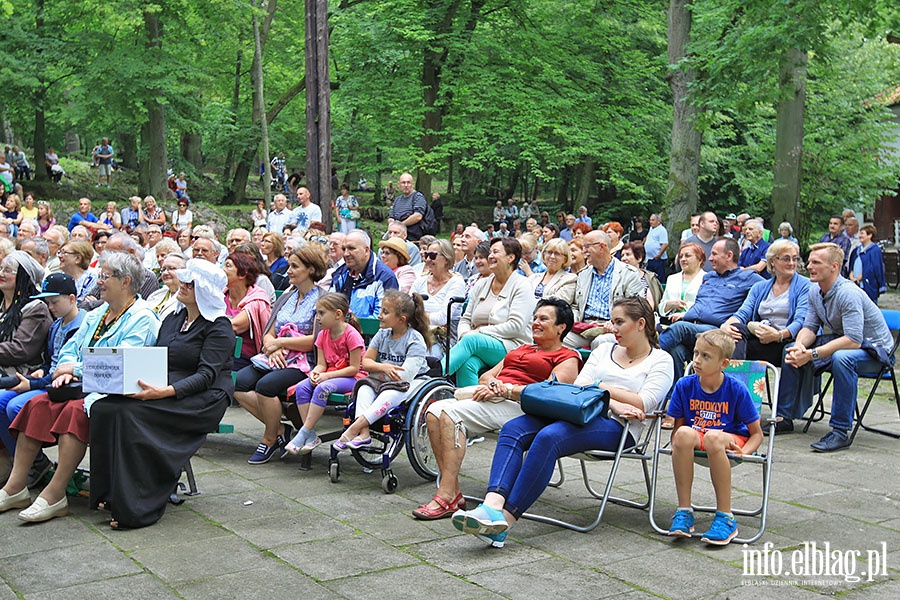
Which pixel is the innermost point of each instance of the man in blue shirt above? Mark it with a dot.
(362, 278)
(836, 234)
(753, 257)
(720, 295)
(104, 156)
(86, 218)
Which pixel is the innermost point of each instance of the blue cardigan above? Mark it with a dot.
(798, 300)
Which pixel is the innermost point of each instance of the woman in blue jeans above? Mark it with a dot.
(637, 375)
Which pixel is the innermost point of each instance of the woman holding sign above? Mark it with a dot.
(140, 443)
(122, 320)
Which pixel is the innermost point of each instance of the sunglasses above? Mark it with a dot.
(430, 255)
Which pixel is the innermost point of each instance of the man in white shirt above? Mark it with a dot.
(655, 244)
(279, 216)
(306, 212)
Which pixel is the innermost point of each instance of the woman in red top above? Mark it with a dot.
(487, 406)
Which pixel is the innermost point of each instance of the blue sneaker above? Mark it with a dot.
(722, 530)
(682, 524)
(496, 540)
(481, 519)
(263, 454)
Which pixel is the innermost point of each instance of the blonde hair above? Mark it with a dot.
(776, 248)
(719, 340)
(835, 254)
(560, 245)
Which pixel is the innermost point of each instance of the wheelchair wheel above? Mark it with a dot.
(390, 483)
(418, 448)
(334, 472)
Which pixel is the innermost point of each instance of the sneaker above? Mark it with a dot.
(682, 524)
(263, 454)
(722, 530)
(834, 440)
(481, 519)
(39, 468)
(340, 445)
(496, 540)
(357, 444)
(296, 445)
(309, 447)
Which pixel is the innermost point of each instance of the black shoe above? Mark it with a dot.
(781, 427)
(835, 440)
(39, 468)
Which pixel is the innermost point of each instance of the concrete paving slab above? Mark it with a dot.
(550, 578)
(180, 525)
(289, 528)
(21, 538)
(229, 508)
(58, 568)
(192, 560)
(273, 581)
(343, 557)
(420, 581)
(705, 575)
(142, 586)
(465, 555)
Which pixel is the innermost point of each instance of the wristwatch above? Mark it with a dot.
(814, 353)
(509, 390)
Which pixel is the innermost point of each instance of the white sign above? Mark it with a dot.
(117, 370)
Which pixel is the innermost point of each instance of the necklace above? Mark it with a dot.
(434, 285)
(104, 326)
(187, 324)
(636, 358)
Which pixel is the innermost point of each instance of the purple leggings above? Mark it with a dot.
(318, 395)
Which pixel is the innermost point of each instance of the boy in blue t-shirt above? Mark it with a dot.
(713, 412)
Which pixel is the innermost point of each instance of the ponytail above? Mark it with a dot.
(413, 308)
(339, 302)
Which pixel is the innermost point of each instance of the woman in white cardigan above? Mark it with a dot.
(555, 282)
(496, 319)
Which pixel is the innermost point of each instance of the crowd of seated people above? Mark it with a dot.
(535, 291)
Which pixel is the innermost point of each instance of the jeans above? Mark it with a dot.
(658, 266)
(521, 478)
(678, 340)
(10, 405)
(472, 354)
(795, 390)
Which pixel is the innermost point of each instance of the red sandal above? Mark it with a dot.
(444, 510)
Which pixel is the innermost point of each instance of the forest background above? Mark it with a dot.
(778, 108)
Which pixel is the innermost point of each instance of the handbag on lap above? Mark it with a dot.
(551, 399)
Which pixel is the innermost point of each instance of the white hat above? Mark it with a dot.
(209, 281)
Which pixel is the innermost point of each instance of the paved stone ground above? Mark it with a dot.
(304, 537)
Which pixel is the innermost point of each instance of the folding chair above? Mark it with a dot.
(761, 379)
(892, 318)
(640, 451)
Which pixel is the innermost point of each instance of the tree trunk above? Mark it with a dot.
(587, 181)
(318, 109)
(684, 162)
(789, 138)
(127, 150)
(39, 141)
(259, 106)
(153, 132)
(191, 144)
(450, 174)
(235, 106)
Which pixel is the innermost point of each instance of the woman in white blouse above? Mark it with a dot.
(681, 288)
(496, 319)
(636, 373)
(555, 282)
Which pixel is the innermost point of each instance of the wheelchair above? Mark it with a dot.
(402, 427)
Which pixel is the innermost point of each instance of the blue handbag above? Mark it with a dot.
(551, 399)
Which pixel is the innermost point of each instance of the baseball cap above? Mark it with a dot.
(57, 284)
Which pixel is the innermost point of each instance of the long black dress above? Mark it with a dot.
(138, 448)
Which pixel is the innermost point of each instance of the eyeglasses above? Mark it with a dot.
(552, 253)
(320, 239)
(104, 276)
(586, 246)
(790, 259)
(194, 238)
(8, 271)
(63, 252)
(430, 255)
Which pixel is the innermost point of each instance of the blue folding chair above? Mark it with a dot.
(761, 380)
(892, 318)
